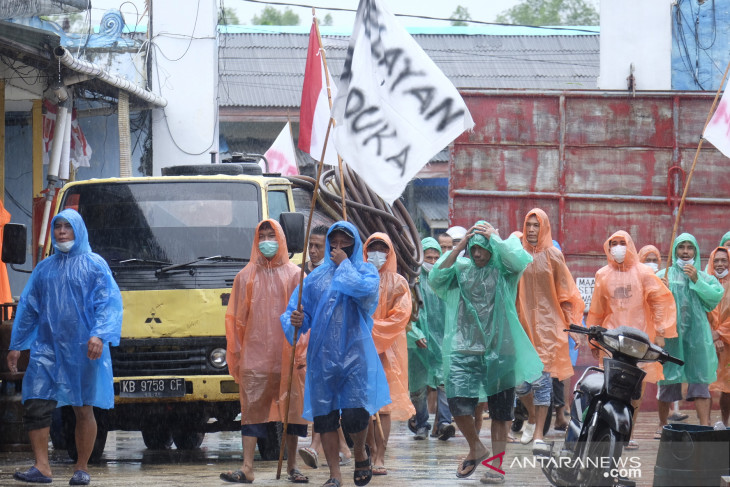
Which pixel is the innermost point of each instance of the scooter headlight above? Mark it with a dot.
(611, 342)
(632, 348)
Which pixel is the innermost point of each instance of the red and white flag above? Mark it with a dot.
(314, 112)
(718, 130)
(80, 151)
(281, 155)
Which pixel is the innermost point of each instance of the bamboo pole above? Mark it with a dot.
(329, 99)
(299, 300)
(691, 172)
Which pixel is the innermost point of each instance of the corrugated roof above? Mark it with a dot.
(267, 69)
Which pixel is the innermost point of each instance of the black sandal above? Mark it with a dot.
(332, 483)
(363, 470)
(297, 477)
(237, 477)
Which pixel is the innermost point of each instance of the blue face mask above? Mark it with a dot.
(269, 248)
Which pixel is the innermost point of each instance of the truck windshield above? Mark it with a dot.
(168, 222)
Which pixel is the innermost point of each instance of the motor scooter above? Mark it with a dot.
(601, 416)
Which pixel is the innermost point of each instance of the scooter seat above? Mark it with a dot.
(592, 384)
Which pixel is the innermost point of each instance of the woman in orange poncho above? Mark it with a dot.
(548, 301)
(628, 293)
(258, 354)
(720, 322)
(650, 256)
(389, 334)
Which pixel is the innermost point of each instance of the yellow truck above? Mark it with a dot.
(174, 244)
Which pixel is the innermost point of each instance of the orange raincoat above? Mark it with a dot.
(5, 295)
(646, 250)
(389, 331)
(258, 355)
(720, 322)
(548, 300)
(631, 294)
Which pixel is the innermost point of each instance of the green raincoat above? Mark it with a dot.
(724, 240)
(425, 365)
(485, 349)
(694, 342)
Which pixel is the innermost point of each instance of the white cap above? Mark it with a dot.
(456, 232)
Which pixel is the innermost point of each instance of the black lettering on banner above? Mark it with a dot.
(448, 117)
(424, 94)
(378, 135)
(400, 160)
(356, 97)
(406, 73)
(390, 57)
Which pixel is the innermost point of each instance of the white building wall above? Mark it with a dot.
(638, 32)
(184, 70)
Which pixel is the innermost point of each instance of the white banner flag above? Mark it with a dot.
(394, 109)
(718, 130)
(281, 155)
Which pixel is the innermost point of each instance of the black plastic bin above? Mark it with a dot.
(692, 455)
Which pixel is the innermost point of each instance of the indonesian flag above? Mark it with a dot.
(718, 130)
(314, 112)
(281, 155)
(80, 151)
(395, 108)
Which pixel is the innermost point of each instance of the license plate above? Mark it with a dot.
(152, 387)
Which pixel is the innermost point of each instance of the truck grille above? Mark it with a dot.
(166, 356)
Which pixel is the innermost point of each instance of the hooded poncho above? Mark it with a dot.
(548, 300)
(389, 331)
(425, 365)
(343, 367)
(485, 349)
(70, 297)
(720, 323)
(631, 294)
(258, 355)
(693, 300)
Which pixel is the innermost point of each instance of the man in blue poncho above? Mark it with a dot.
(69, 313)
(695, 293)
(344, 374)
(486, 352)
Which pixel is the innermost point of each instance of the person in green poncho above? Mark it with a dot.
(425, 365)
(695, 294)
(485, 349)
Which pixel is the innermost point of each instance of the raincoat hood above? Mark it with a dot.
(686, 237)
(479, 240)
(357, 254)
(391, 262)
(81, 235)
(282, 254)
(544, 236)
(725, 240)
(710, 265)
(647, 250)
(431, 243)
(632, 257)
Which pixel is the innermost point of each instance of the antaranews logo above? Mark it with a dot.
(625, 467)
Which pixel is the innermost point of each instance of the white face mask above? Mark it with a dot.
(65, 246)
(318, 263)
(619, 253)
(654, 266)
(427, 267)
(722, 274)
(377, 259)
(681, 263)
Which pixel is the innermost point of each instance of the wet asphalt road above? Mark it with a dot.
(127, 462)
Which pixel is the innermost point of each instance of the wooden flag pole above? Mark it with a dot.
(329, 99)
(299, 301)
(692, 170)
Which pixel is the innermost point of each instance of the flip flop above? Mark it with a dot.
(468, 463)
(561, 427)
(32, 475)
(80, 478)
(344, 461)
(297, 477)
(632, 445)
(332, 483)
(237, 477)
(658, 434)
(380, 470)
(363, 470)
(309, 457)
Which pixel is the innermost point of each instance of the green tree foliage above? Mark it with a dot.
(550, 12)
(272, 16)
(459, 16)
(227, 16)
(327, 20)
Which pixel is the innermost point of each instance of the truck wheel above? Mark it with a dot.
(187, 440)
(269, 447)
(157, 437)
(69, 429)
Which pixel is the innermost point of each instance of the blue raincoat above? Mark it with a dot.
(343, 367)
(485, 349)
(70, 297)
(694, 343)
